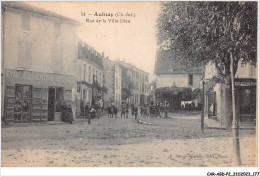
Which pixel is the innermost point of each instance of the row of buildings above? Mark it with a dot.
(45, 64)
(182, 87)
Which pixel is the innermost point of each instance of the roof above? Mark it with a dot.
(129, 65)
(165, 65)
(32, 9)
(89, 53)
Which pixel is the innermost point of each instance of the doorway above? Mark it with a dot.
(55, 100)
(23, 103)
(51, 103)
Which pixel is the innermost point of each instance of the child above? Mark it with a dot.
(135, 111)
(115, 111)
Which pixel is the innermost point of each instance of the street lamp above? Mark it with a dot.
(235, 126)
(203, 105)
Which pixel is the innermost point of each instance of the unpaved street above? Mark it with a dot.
(111, 142)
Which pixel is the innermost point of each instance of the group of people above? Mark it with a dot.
(112, 110)
(66, 112)
(152, 110)
(93, 111)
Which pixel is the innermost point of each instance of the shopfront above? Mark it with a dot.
(34, 96)
(246, 100)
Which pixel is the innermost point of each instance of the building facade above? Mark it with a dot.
(39, 50)
(119, 75)
(90, 70)
(245, 94)
(173, 79)
(140, 81)
(109, 81)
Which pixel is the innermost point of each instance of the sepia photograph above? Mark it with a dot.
(129, 84)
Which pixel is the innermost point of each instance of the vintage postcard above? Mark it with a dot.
(129, 84)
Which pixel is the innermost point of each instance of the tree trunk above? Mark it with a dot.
(228, 104)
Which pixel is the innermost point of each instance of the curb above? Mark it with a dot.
(223, 128)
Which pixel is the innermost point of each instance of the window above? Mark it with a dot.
(25, 22)
(100, 77)
(89, 75)
(190, 80)
(25, 53)
(96, 75)
(93, 75)
(57, 30)
(252, 70)
(84, 77)
(116, 82)
(78, 88)
(57, 56)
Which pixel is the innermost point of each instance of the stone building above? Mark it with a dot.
(140, 81)
(114, 82)
(90, 70)
(39, 50)
(245, 94)
(109, 81)
(176, 82)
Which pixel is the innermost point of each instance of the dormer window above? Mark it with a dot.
(190, 80)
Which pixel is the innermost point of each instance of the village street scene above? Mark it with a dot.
(149, 84)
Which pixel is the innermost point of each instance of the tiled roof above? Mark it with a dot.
(165, 65)
(31, 9)
(89, 53)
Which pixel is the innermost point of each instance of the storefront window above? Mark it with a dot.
(23, 97)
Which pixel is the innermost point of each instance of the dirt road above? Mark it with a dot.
(115, 142)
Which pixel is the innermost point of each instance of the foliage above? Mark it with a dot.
(127, 84)
(184, 93)
(196, 33)
(98, 91)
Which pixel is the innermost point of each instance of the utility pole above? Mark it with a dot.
(203, 105)
(235, 126)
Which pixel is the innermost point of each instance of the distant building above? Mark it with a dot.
(245, 94)
(109, 81)
(90, 69)
(116, 74)
(140, 81)
(171, 76)
(39, 50)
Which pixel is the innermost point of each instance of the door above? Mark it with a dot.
(23, 103)
(51, 103)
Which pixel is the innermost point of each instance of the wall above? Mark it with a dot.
(180, 80)
(41, 36)
(242, 72)
(109, 81)
(43, 44)
(118, 85)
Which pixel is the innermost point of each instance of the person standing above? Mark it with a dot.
(92, 114)
(87, 110)
(64, 112)
(112, 109)
(135, 111)
(132, 109)
(98, 107)
(123, 108)
(70, 114)
(127, 110)
(166, 107)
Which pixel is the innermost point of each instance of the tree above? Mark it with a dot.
(97, 91)
(127, 84)
(198, 33)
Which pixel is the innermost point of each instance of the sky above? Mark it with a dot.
(135, 42)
